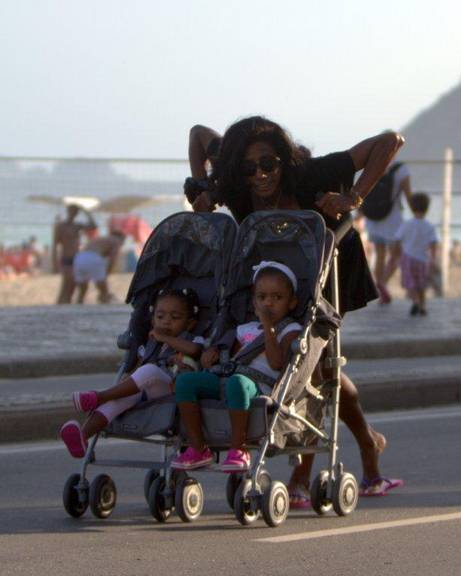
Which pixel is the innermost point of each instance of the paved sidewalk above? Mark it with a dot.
(47, 341)
(45, 353)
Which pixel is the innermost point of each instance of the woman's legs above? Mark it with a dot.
(381, 273)
(371, 443)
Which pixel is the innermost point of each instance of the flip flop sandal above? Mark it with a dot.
(72, 436)
(379, 486)
(299, 498)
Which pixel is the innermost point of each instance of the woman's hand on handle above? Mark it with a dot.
(203, 203)
(334, 204)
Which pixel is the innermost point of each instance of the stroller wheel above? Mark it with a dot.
(189, 499)
(232, 484)
(103, 496)
(319, 500)
(275, 504)
(150, 476)
(264, 480)
(159, 506)
(246, 506)
(74, 505)
(345, 494)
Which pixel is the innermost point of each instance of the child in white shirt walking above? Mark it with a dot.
(416, 243)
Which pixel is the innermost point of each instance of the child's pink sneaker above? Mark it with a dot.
(73, 437)
(85, 401)
(192, 458)
(236, 461)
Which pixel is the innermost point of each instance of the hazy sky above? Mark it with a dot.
(130, 77)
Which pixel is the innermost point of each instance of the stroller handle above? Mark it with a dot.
(345, 224)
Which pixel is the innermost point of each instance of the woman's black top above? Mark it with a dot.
(328, 174)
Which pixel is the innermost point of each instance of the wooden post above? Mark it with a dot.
(446, 220)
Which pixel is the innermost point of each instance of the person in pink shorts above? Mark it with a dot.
(174, 316)
(416, 243)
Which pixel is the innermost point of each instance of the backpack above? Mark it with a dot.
(379, 201)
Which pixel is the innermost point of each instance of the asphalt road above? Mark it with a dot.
(415, 530)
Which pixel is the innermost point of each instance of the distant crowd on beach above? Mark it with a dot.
(25, 259)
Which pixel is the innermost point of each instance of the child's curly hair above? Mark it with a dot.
(187, 295)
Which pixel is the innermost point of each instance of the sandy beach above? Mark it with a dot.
(41, 290)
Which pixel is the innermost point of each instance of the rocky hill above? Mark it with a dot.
(427, 136)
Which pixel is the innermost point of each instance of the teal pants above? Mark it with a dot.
(193, 386)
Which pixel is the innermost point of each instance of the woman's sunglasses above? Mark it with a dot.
(267, 163)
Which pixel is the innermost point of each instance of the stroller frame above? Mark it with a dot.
(101, 495)
(332, 488)
(254, 491)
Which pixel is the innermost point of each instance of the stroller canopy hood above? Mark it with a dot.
(294, 238)
(187, 243)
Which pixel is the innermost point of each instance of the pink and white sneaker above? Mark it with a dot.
(85, 401)
(73, 437)
(192, 458)
(236, 461)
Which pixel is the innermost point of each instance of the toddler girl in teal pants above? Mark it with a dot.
(274, 298)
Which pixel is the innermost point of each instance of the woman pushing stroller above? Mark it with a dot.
(171, 348)
(274, 298)
(259, 168)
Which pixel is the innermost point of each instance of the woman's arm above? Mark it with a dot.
(373, 156)
(405, 187)
(199, 140)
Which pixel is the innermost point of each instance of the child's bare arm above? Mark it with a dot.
(187, 347)
(277, 352)
(209, 357)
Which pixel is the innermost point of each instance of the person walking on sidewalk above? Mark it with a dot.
(383, 222)
(416, 244)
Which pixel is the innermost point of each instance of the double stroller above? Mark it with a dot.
(207, 253)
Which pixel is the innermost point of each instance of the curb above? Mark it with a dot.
(42, 422)
(67, 365)
(369, 350)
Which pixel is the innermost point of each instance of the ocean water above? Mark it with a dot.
(21, 218)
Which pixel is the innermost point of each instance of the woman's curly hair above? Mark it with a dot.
(232, 187)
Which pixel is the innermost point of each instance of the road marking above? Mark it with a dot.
(361, 528)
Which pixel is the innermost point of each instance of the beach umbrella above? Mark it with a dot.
(87, 202)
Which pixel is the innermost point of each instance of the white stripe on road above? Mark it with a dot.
(361, 528)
